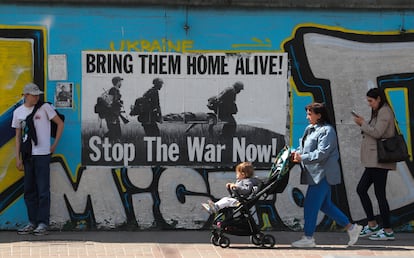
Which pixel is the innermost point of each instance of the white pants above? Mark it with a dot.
(227, 202)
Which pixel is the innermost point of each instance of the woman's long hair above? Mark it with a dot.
(375, 93)
(319, 108)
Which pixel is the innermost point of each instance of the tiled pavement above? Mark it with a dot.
(192, 244)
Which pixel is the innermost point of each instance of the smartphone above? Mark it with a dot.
(354, 113)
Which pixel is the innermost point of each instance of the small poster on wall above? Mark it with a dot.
(57, 67)
(64, 95)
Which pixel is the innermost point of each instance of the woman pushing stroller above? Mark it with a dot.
(243, 187)
(318, 155)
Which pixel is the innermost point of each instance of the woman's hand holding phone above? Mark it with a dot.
(354, 113)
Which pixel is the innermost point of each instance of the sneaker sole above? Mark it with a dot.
(25, 233)
(304, 246)
(382, 239)
(308, 246)
(368, 234)
(40, 234)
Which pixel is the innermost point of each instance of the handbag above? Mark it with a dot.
(393, 149)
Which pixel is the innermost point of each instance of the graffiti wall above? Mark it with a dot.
(162, 103)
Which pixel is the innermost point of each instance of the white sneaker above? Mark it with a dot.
(40, 230)
(206, 207)
(28, 229)
(382, 235)
(213, 206)
(354, 234)
(368, 231)
(304, 242)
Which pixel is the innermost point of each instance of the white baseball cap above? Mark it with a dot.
(32, 89)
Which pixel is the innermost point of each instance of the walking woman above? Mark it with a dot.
(319, 156)
(380, 125)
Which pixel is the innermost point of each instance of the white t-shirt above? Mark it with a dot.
(41, 122)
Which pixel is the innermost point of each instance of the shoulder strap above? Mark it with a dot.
(36, 107)
(396, 126)
(30, 123)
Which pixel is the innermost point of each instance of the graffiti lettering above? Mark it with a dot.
(116, 152)
(198, 149)
(160, 64)
(251, 152)
(162, 45)
(109, 63)
(98, 186)
(206, 65)
(313, 51)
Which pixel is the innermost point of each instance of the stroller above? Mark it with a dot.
(239, 220)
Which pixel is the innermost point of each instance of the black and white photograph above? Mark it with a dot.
(231, 107)
(64, 95)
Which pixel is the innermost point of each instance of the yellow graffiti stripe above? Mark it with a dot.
(257, 43)
(341, 29)
(72, 176)
(119, 176)
(19, 56)
(16, 70)
(407, 116)
(266, 221)
(8, 171)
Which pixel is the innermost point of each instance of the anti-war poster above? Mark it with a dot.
(169, 109)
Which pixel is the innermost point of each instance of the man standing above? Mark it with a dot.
(153, 113)
(36, 165)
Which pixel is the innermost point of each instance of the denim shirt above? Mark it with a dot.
(320, 155)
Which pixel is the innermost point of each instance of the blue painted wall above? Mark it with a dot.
(105, 197)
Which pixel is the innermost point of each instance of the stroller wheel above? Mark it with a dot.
(224, 242)
(268, 241)
(215, 239)
(256, 239)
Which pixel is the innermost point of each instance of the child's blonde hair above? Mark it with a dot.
(245, 168)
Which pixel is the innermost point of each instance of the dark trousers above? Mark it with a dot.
(229, 126)
(378, 177)
(37, 188)
(151, 129)
(114, 129)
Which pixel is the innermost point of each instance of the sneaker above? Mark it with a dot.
(354, 233)
(382, 235)
(304, 242)
(367, 231)
(28, 229)
(41, 230)
(207, 207)
(213, 206)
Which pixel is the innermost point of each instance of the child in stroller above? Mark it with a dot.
(239, 220)
(242, 188)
